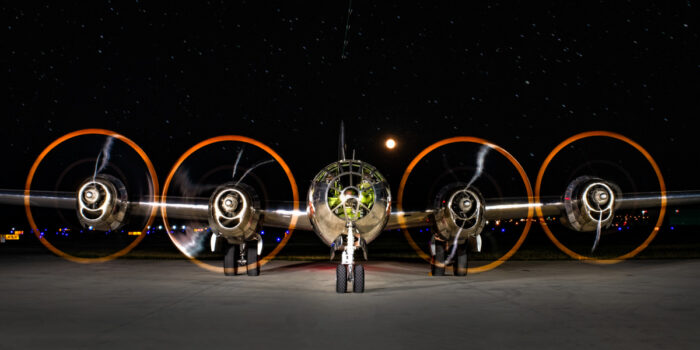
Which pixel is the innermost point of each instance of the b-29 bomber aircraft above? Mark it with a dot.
(348, 205)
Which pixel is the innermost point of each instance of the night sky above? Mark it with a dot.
(523, 75)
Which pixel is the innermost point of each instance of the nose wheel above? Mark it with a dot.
(358, 281)
(350, 273)
(341, 278)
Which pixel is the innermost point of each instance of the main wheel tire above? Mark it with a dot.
(253, 267)
(358, 282)
(437, 266)
(460, 266)
(230, 259)
(341, 278)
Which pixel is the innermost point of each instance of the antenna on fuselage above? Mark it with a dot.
(341, 142)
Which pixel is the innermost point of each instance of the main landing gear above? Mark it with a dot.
(440, 253)
(242, 255)
(348, 270)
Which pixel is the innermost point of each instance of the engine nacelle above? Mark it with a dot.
(589, 202)
(233, 214)
(460, 208)
(349, 190)
(102, 203)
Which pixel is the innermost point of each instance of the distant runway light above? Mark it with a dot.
(390, 143)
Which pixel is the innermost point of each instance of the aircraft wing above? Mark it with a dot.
(517, 208)
(180, 208)
(494, 209)
(409, 219)
(198, 209)
(186, 208)
(61, 200)
(281, 218)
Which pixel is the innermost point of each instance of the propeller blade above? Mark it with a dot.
(597, 233)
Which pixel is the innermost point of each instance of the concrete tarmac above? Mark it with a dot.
(46, 302)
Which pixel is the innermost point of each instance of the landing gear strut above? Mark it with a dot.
(347, 270)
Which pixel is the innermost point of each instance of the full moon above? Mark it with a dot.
(390, 143)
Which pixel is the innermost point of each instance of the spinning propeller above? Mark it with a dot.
(459, 198)
(230, 200)
(111, 187)
(601, 197)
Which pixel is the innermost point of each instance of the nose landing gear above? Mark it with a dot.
(348, 270)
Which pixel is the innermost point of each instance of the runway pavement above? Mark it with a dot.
(48, 302)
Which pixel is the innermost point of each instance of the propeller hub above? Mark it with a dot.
(230, 203)
(91, 195)
(460, 213)
(601, 197)
(598, 196)
(94, 194)
(465, 205)
(589, 203)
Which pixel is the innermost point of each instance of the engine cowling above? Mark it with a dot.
(233, 214)
(460, 208)
(589, 202)
(102, 203)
